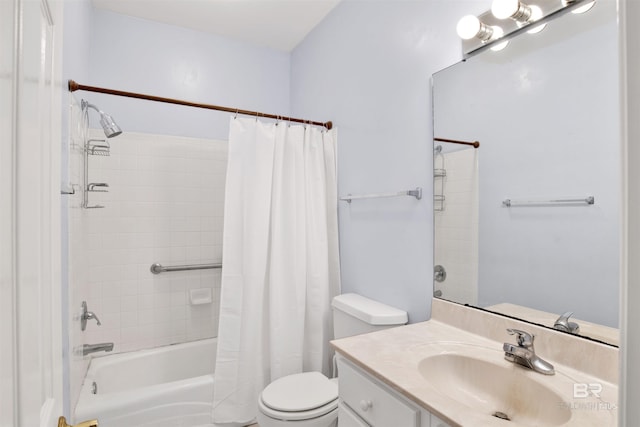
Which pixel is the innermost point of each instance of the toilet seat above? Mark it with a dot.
(299, 397)
(298, 415)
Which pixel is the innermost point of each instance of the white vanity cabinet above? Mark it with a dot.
(367, 402)
(437, 422)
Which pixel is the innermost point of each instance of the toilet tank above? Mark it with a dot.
(354, 314)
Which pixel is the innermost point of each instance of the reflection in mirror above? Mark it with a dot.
(546, 113)
(455, 204)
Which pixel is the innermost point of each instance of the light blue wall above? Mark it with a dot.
(367, 67)
(136, 55)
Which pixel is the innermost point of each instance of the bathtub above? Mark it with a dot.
(169, 386)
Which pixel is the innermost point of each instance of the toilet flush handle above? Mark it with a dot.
(365, 405)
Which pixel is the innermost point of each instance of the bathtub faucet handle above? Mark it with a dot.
(87, 315)
(92, 315)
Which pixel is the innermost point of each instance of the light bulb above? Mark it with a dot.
(503, 9)
(536, 14)
(470, 26)
(497, 33)
(583, 9)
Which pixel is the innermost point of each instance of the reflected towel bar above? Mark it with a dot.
(474, 144)
(590, 200)
(417, 193)
(159, 268)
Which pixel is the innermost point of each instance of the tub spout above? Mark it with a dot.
(92, 348)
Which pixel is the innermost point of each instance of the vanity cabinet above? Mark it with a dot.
(367, 402)
(348, 418)
(437, 422)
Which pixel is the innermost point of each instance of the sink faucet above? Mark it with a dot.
(92, 348)
(563, 324)
(524, 354)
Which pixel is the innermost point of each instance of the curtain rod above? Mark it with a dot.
(475, 144)
(73, 86)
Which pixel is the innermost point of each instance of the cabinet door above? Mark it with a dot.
(372, 401)
(347, 418)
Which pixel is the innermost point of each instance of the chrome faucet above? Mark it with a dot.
(524, 354)
(93, 348)
(563, 324)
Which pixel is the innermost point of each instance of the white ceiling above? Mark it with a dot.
(279, 24)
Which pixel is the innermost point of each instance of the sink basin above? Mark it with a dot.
(498, 389)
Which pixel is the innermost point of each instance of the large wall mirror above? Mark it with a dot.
(528, 223)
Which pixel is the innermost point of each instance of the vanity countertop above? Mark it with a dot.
(393, 357)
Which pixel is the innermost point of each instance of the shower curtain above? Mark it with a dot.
(280, 261)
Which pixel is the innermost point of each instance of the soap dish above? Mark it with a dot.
(200, 296)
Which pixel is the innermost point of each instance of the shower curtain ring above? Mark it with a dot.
(235, 116)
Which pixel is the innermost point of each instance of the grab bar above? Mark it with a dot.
(159, 268)
(590, 200)
(417, 193)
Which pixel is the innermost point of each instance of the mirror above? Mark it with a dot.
(515, 232)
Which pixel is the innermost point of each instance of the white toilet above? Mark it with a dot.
(310, 399)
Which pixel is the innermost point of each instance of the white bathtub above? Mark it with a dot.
(169, 386)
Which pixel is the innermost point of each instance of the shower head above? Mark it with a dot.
(109, 126)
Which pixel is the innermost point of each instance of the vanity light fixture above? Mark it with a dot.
(492, 29)
(520, 12)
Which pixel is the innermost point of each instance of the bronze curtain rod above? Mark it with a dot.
(475, 144)
(73, 86)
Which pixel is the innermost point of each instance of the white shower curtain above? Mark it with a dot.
(280, 261)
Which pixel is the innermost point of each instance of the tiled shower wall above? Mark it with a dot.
(456, 227)
(164, 204)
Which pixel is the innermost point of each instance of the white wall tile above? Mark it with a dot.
(164, 205)
(456, 227)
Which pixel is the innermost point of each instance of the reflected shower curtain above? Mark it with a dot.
(280, 261)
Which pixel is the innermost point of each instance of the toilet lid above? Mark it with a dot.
(300, 392)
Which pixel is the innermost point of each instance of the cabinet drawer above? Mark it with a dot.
(373, 402)
(346, 417)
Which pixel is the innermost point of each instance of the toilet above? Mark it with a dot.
(310, 399)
